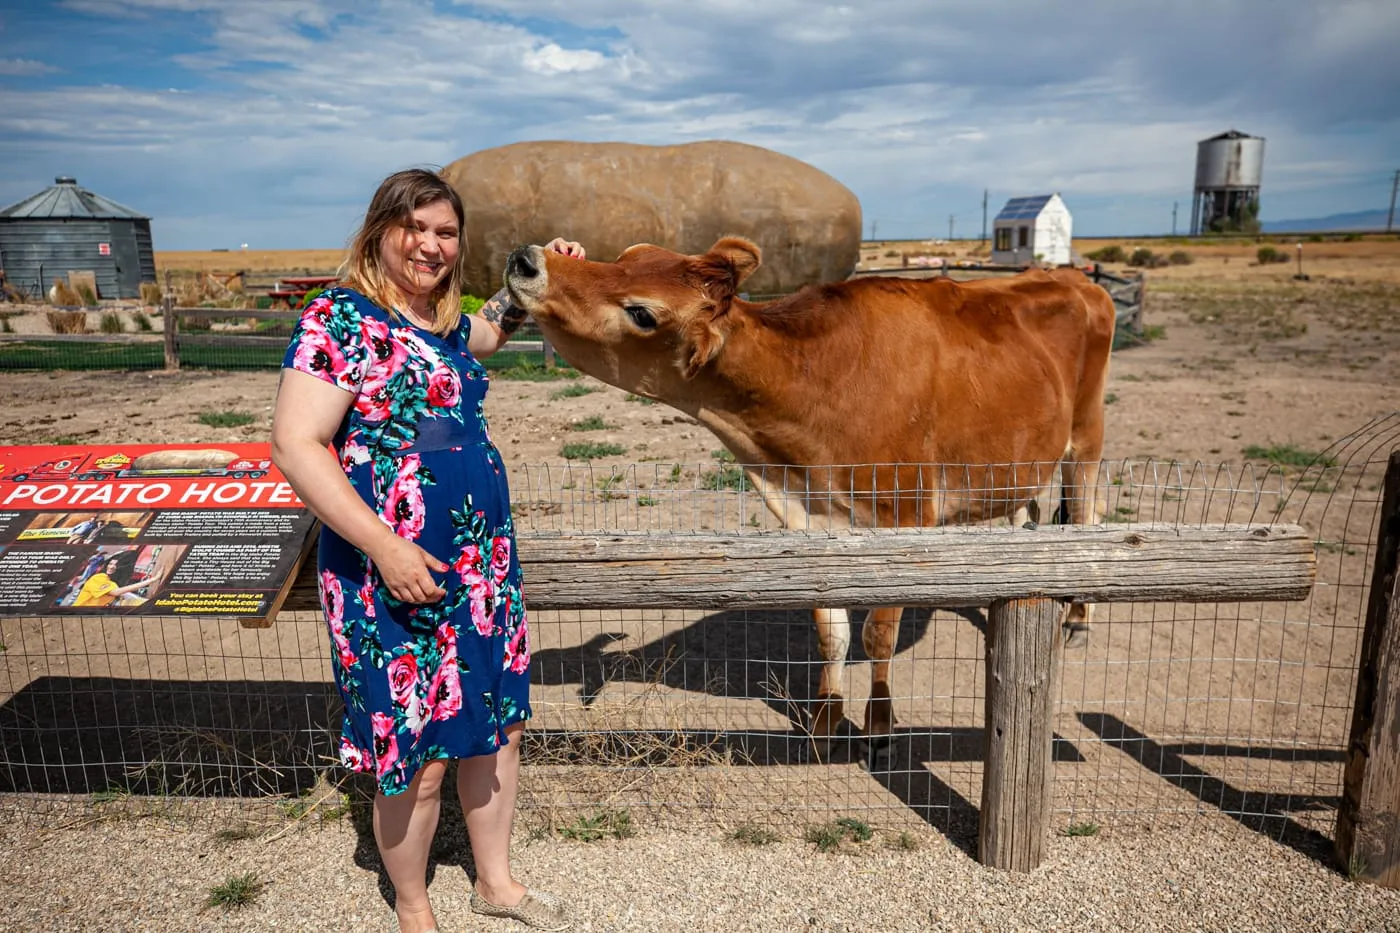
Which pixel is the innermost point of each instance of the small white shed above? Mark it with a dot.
(1030, 230)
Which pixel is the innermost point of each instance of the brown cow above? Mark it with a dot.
(1003, 378)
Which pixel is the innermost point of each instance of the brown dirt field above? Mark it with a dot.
(308, 261)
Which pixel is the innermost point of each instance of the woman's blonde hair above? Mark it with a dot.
(390, 211)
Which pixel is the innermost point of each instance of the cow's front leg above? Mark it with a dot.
(879, 635)
(833, 641)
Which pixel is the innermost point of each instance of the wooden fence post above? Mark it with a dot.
(1025, 650)
(548, 352)
(1368, 819)
(172, 350)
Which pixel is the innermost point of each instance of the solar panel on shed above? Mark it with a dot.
(1024, 208)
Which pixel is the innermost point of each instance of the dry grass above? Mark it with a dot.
(67, 322)
(290, 262)
(64, 295)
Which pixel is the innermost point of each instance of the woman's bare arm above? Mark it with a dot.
(304, 421)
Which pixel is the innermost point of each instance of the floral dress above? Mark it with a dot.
(419, 681)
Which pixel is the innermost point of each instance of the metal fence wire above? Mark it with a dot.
(685, 716)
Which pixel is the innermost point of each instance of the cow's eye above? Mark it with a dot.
(641, 316)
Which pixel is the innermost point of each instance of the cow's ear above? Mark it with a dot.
(703, 341)
(731, 260)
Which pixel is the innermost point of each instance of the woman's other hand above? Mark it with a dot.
(404, 567)
(565, 248)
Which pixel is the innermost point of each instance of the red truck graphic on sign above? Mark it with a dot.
(119, 466)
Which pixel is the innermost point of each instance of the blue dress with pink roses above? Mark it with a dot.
(420, 681)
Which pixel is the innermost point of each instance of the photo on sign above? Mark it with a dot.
(86, 527)
(121, 576)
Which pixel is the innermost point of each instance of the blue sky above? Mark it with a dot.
(269, 122)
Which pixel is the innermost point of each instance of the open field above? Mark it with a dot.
(1244, 362)
(1371, 258)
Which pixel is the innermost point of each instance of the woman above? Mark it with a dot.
(103, 588)
(419, 579)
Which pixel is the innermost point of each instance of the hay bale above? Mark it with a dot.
(610, 196)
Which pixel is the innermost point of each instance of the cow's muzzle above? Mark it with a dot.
(521, 264)
(525, 276)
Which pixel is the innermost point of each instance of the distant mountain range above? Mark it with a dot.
(1356, 220)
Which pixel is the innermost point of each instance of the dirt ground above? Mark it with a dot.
(1239, 356)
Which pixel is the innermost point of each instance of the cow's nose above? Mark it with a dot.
(519, 264)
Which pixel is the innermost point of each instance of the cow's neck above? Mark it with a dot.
(755, 396)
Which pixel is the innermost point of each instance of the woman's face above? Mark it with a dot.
(111, 567)
(418, 257)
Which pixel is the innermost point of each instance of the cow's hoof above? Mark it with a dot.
(878, 753)
(1076, 634)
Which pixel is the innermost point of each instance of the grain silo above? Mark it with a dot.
(64, 229)
(1229, 169)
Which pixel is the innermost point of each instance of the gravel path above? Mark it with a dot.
(1208, 874)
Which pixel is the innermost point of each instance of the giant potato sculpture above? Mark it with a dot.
(609, 196)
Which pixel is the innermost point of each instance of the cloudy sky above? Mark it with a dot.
(269, 122)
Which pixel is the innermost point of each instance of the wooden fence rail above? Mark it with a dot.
(1020, 573)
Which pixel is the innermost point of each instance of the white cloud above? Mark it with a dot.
(550, 59)
(24, 67)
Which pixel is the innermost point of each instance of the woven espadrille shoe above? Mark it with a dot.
(536, 909)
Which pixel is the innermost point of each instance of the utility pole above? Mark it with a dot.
(950, 226)
(984, 216)
(874, 225)
(1390, 217)
(1173, 218)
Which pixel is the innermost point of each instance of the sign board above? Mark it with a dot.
(168, 530)
(104, 249)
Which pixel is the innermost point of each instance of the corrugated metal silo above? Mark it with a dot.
(1229, 172)
(65, 228)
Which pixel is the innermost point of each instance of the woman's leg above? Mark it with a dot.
(486, 786)
(403, 828)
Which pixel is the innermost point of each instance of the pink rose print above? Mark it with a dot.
(444, 391)
(386, 355)
(417, 349)
(350, 756)
(445, 692)
(332, 598)
(403, 679)
(333, 601)
(446, 638)
(366, 591)
(352, 453)
(500, 559)
(483, 603)
(468, 562)
(373, 401)
(403, 505)
(317, 353)
(403, 689)
(386, 744)
(518, 649)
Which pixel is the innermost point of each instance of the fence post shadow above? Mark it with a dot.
(1251, 809)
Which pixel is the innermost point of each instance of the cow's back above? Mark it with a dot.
(937, 371)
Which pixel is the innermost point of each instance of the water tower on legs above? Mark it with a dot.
(1229, 168)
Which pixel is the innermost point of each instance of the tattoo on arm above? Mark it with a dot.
(499, 311)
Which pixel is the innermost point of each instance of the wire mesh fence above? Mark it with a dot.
(689, 716)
